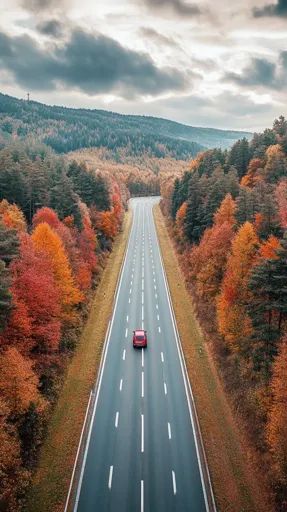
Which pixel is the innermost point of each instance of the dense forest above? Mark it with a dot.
(57, 225)
(67, 129)
(228, 218)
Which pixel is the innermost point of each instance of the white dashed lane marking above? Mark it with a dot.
(173, 482)
(110, 477)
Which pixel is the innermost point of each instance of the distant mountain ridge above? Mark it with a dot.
(67, 129)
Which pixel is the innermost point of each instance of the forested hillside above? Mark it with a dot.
(57, 225)
(228, 218)
(67, 129)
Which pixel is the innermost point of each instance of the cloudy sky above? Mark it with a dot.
(208, 63)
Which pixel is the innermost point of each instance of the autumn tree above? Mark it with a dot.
(180, 218)
(34, 286)
(12, 216)
(234, 322)
(226, 211)
(47, 241)
(208, 259)
(18, 382)
(276, 165)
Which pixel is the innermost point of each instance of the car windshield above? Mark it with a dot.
(140, 337)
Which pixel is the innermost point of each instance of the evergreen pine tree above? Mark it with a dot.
(9, 244)
(239, 156)
(268, 309)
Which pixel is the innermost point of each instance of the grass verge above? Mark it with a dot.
(237, 482)
(51, 481)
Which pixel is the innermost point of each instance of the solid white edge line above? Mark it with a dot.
(102, 365)
(188, 389)
(142, 496)
(173, 482)
(110, 477)
(77, 454)
(117, 419)
(169, 430)
(142, 436)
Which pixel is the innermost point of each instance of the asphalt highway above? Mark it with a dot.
(141, 454)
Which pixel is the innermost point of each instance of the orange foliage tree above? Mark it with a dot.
(12, 216)
(254, 173)
(180, 217)
(208, 259)
(18, 382)
(47, 241)
(233, 320)
(226, 212)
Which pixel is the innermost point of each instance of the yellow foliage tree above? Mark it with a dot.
(46, 240)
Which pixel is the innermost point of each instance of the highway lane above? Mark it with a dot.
(141, 453)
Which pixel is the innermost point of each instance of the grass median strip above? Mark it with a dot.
(237, 483)
(51, 481)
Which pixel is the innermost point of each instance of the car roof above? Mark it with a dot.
(137, 331)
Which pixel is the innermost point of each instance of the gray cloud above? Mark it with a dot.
(180, 7)
(278, 9)
(38, 6)
(94, 64)
(259, 72)
(52, 27)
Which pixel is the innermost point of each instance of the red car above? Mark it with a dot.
(139, 338)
